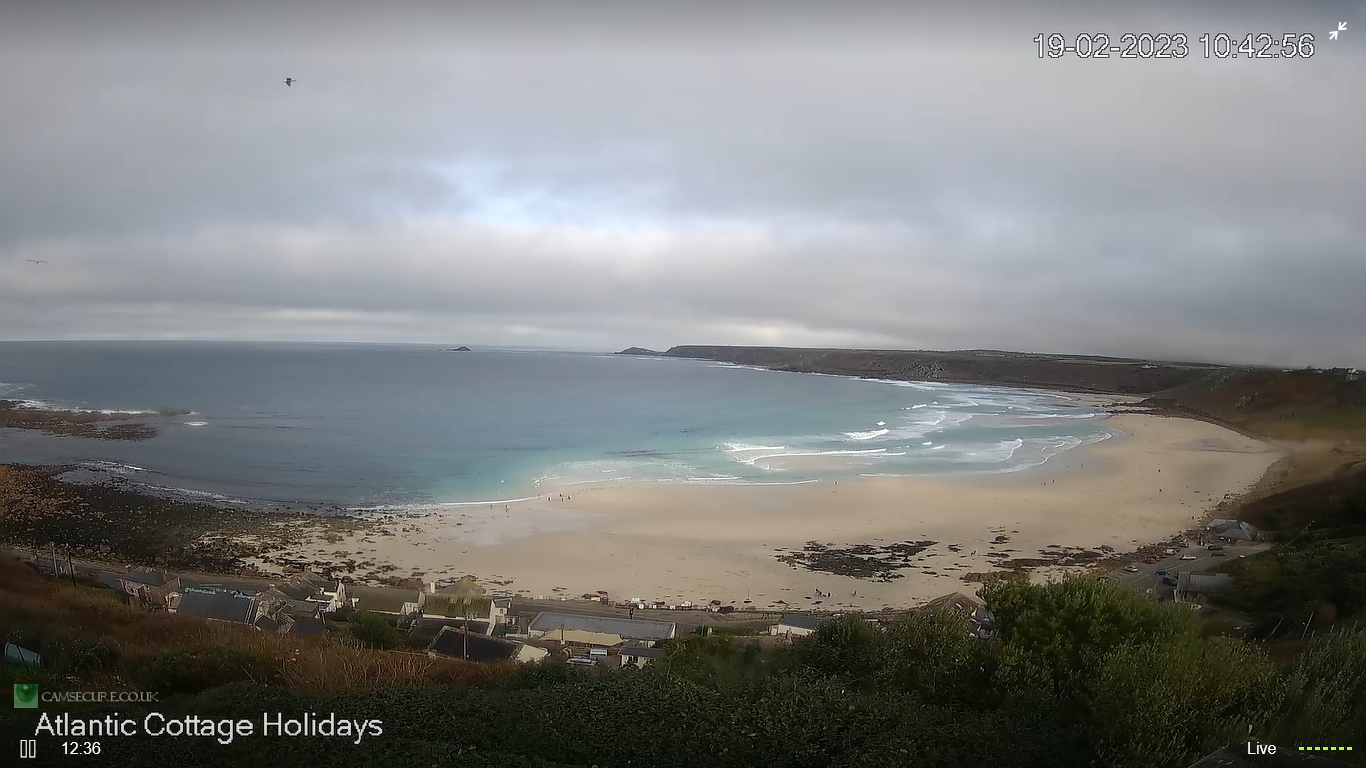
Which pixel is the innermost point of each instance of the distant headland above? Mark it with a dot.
(1274, 402)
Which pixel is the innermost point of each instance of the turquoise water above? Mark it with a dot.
(369, 425)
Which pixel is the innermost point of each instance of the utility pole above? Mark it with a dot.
(69, 565)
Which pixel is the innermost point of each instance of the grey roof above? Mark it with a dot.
(456, 606)
(306, 627)
(301, 609)
(296, 591)
(800, 620)
(223, 606)
(430, 626)
(311, 579)
(382, 599)
(456, 642)
(1203, 583)
(267, 624)
(632, 629)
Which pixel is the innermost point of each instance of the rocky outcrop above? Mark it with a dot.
(96, 424)
(640, 351)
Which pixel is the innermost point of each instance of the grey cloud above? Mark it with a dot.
(870, 176)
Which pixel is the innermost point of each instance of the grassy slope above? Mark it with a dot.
(90, 633)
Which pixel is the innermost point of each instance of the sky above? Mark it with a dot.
(596, 175)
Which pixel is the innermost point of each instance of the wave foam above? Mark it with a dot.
(866, 435)
(112, 466)
(195, 423)
(743, 447)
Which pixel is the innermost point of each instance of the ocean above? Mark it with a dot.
(365, 426)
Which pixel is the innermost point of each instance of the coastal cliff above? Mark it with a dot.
(1265, 402)
(1063, 372)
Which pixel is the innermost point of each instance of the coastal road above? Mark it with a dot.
(695, 617)
(1205, 562)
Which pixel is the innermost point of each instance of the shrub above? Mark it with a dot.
(847, 647)
(1325, 694)
(374, 631)
(193, 671)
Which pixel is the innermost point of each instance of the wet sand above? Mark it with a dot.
(671, 542)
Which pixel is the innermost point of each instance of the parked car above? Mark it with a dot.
(1218, 553)
(1169, 581)
(1151, 561)
(1215, 547)
(1171, 551)
(1164, 572)
(1132, 569)
(1188, 557)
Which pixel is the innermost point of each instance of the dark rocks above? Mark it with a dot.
(102, 426)
(118, 521)
(639, 351)
(859, 561)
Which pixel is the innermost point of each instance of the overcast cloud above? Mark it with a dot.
(601, 175)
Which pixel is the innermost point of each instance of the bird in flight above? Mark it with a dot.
(290, 81)
(36, 261)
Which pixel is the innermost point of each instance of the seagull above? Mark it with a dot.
(290, 81)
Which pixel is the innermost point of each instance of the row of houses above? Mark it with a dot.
(611, 641)
(617, 641)
(451, 621)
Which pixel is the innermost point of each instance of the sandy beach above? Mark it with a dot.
(1155, 478)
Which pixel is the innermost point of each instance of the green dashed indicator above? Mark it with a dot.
(1325, 749)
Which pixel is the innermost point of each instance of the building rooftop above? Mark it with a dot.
(223, 606)
(383, 599)
(456, 606)
(431, 626)
(456, 642)
(1203, 583)
(800, 620)
(954, 601)
(306, 627)
(631, 629)
(295, 591)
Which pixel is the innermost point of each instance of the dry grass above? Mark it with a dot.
(337, 667)
(41, 607)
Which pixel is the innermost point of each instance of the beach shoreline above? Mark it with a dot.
(864, 543)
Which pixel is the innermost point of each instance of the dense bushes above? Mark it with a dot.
(194, 671)
(1316, 575)
(1325, 694)
(373, 630)
(1080, 673)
